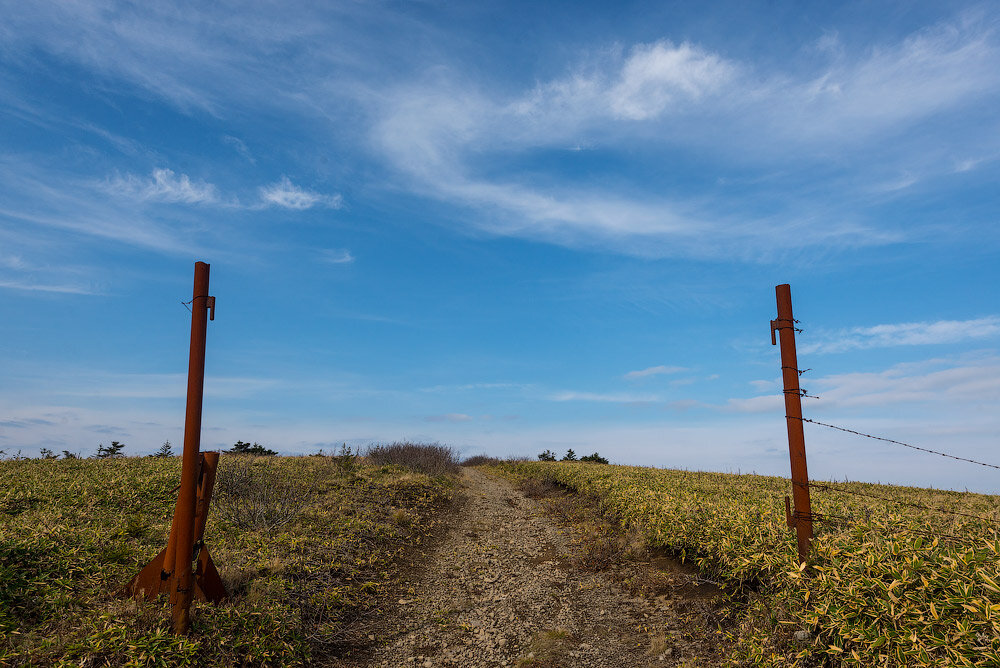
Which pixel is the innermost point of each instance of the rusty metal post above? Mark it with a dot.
(784, 325)
(182, 577)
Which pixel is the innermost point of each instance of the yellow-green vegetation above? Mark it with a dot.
(884, 589)
(73, 532)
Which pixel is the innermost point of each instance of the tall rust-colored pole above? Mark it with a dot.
(182, 582)
(784, 325)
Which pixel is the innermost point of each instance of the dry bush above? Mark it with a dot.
(259, 493)
(431, 458)
(539, 488)
(601, 549)
(480, 460)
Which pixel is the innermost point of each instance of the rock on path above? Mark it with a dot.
(499, 590)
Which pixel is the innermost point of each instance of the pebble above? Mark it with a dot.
(501, 597)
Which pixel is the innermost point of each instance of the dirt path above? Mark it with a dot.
(501, 589)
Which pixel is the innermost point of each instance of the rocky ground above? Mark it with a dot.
(517, 582)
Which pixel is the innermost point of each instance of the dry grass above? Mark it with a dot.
(481, 460)
(430, 458)
(72, 532)
(548, 649)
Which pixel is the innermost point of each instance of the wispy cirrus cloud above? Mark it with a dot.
(286, 194)
(240, 147)
(449, 417)
(336, 256)
(165, 186)
(65, 289)
(604, 397)
(688, 97)
(941, 382)
(653, 371)
(905, 334)
(973, 380)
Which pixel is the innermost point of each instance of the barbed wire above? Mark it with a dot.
(890, 440)
(910, 504)
(801, 392)
(826, 518)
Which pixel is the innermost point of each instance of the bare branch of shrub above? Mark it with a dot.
(430, 458)
(259, 493)
(480, 460)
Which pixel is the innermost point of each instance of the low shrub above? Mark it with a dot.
(430, 458)
(260, 492)
(346, 461)
(480, 460)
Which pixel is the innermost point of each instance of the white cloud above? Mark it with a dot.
(764, 385)
(39, 196)
(768, 403)
(165, 186)
(67, 289)
(449, 417)
(939, 382)
(336, 256)
(905, 334)
(934, 69)
(286, 194)
(943, 383)
(240, 147)
(659, 75)
(838, 102)
(617, 398)
(12, 262)
(653, 371)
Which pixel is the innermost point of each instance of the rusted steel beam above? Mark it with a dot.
(172, 569)
(182, 589)
(784, 326)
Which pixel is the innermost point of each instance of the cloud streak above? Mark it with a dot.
(287, 195)
(165, 186)
(687, 97)
(933, 382)
(906, 334)
(610, 397)
(653, 371)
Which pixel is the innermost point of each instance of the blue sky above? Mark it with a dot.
(506, 227)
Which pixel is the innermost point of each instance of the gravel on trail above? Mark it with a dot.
(501, 589)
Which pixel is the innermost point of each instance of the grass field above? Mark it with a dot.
(72, 532)
(880, 590)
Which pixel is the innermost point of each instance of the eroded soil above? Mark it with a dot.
(521, 581)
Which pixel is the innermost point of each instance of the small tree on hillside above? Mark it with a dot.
(241, 448)
(595, 458)
(570, 456)
(111, 451)
(46, 453)
(166, 450)
(547, 456)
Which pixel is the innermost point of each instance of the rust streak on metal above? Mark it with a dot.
(784, 326)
